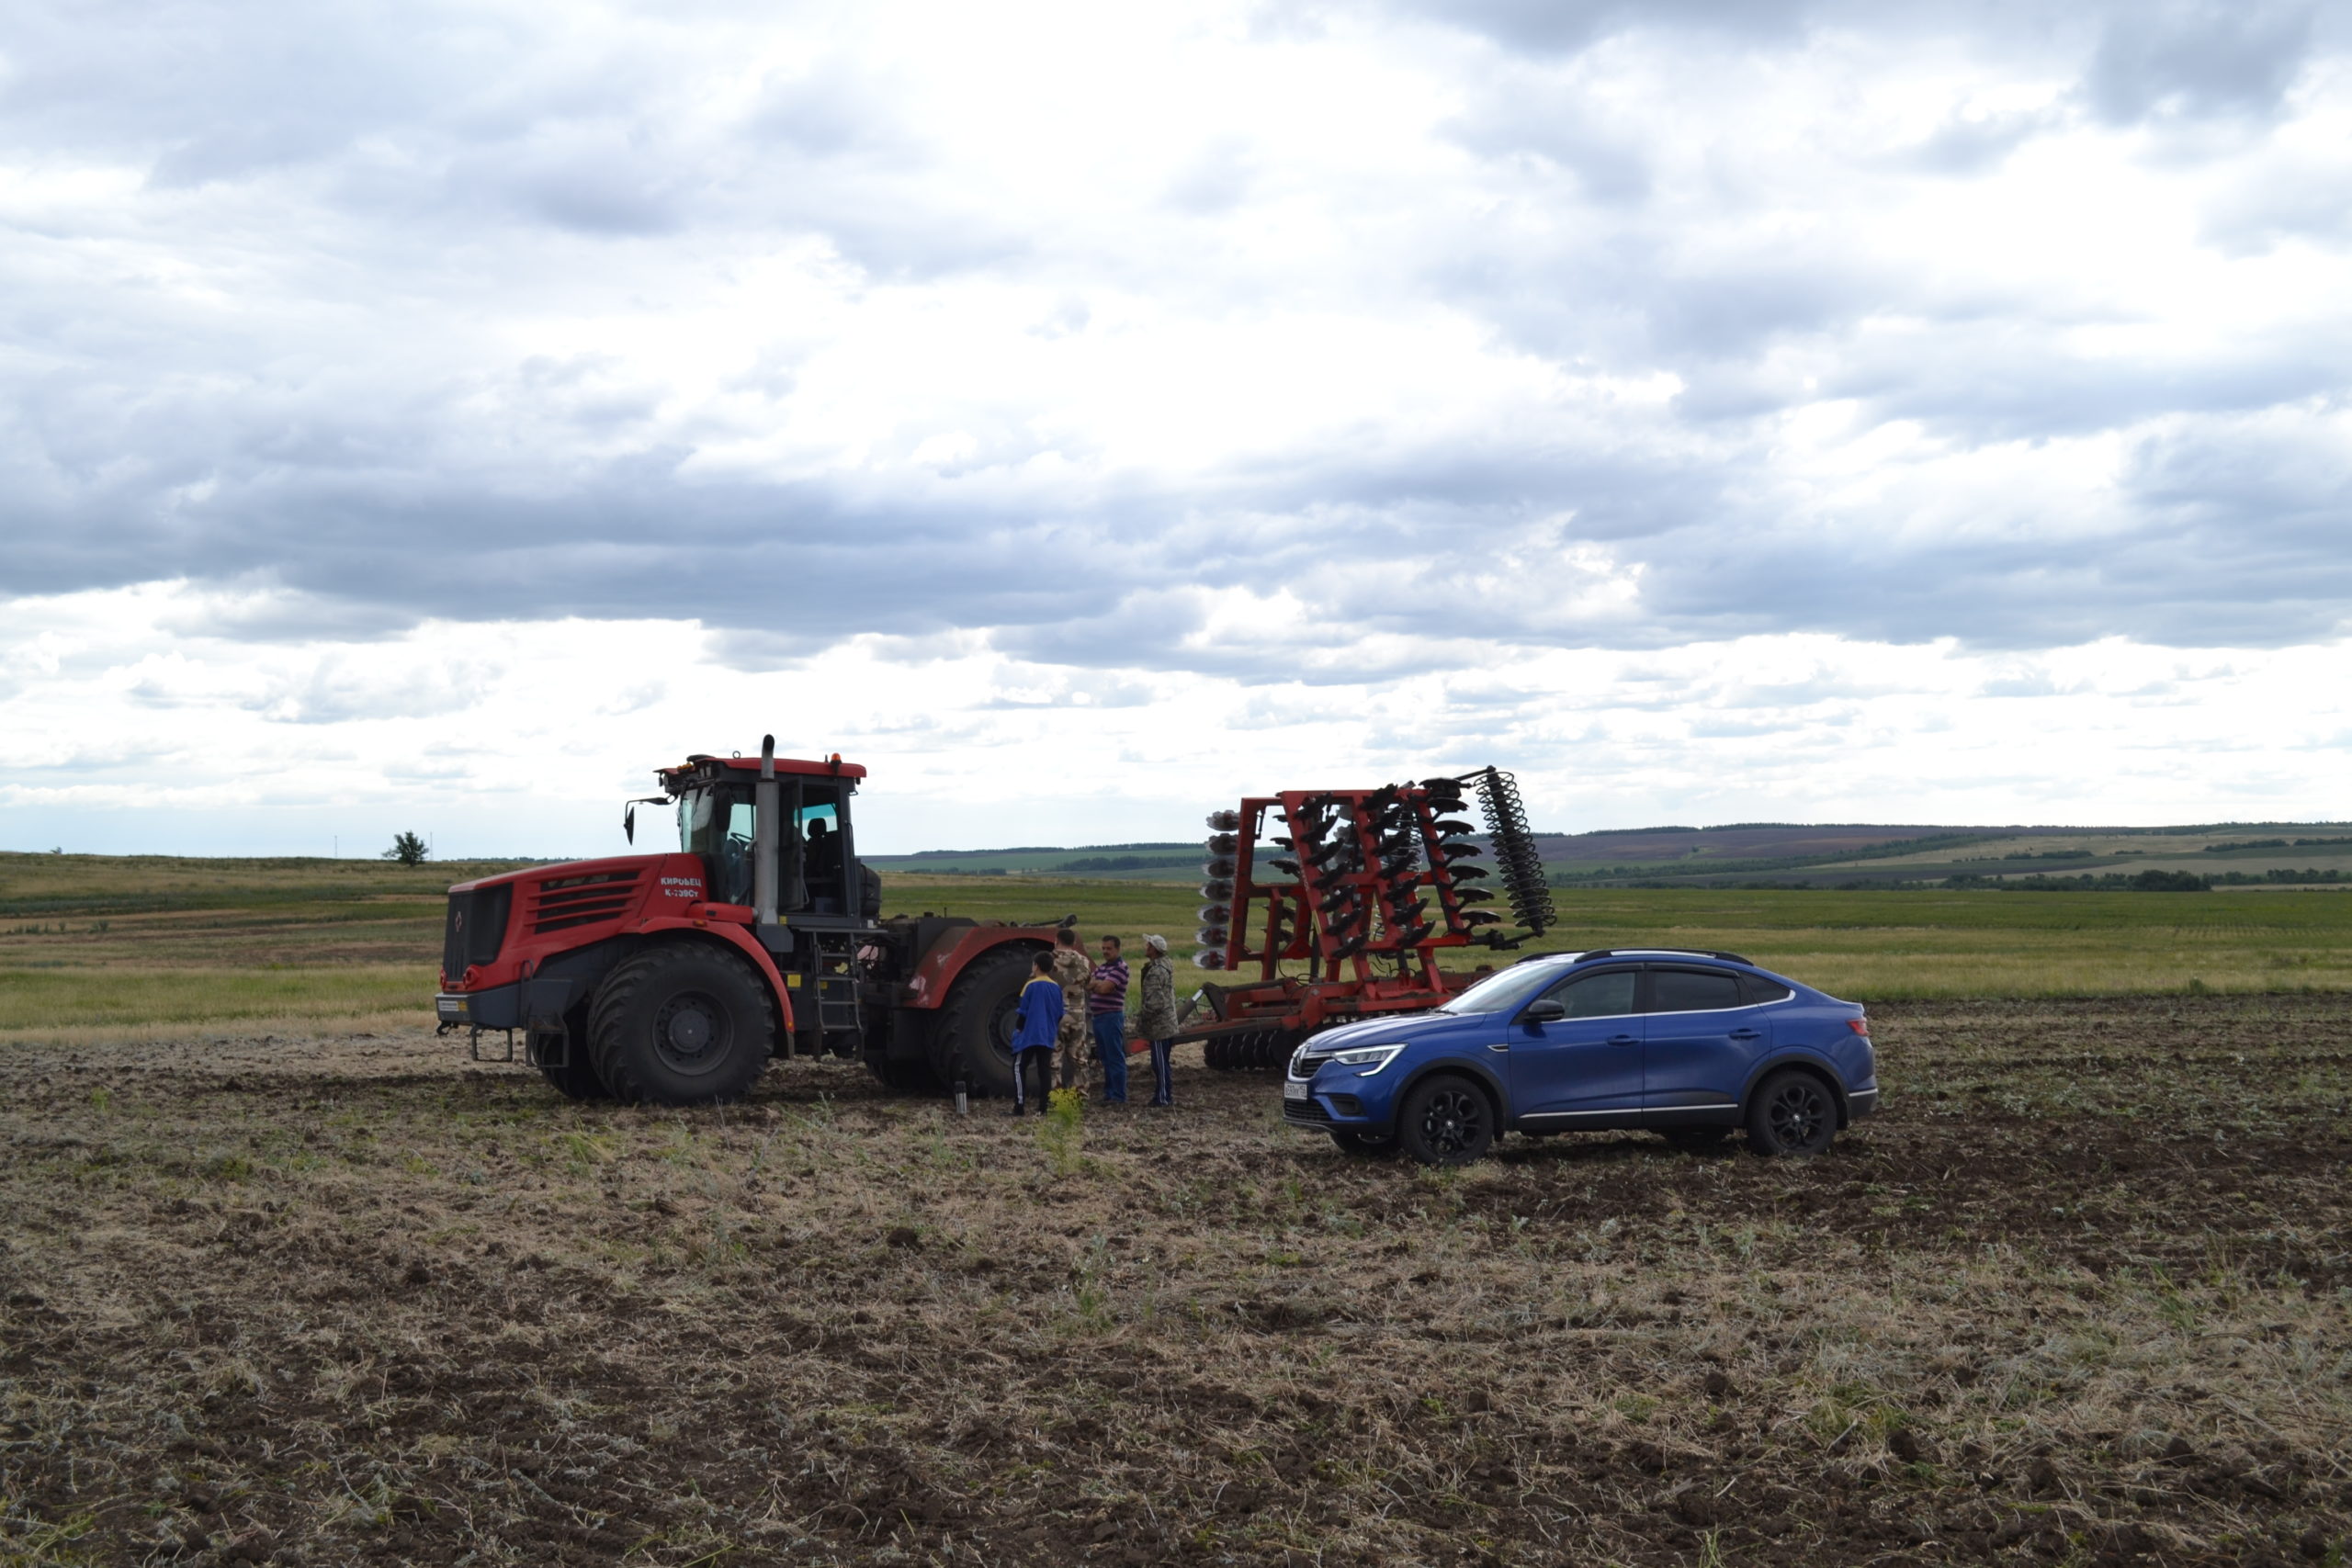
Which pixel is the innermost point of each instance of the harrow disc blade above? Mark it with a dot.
(1516, 855)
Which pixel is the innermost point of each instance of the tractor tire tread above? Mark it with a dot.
(973, 992)
(610, 1051)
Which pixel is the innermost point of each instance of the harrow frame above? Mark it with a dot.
(1359, 869)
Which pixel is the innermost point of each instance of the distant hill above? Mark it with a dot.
(1848, 856)
(1785, 853)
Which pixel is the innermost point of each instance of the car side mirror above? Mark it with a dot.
(1544, 1009)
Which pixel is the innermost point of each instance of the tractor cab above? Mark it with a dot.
(774, 835)
(819, 882)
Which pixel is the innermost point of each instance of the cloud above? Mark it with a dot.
(1301, 354)
(2197, 58)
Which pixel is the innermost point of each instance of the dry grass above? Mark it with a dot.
(2080, 1296)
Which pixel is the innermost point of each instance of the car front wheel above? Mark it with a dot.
(1447, 1121)
(1791, 1113)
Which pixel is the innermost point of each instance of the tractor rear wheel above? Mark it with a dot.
(681, 1024)
(976, 1024)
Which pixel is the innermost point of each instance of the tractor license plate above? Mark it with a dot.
(1294, 1091)
(450, 1007)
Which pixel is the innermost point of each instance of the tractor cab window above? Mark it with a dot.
(717, 825)
(823, 848)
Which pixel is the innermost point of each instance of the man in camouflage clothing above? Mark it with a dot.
(1076, 1043)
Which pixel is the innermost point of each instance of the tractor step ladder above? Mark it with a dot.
(836, 982)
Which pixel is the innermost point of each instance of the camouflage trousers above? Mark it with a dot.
(1074, 1048)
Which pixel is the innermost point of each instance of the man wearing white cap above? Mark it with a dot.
(1156, 1017)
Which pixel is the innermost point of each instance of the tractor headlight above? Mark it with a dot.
(1369, 1058)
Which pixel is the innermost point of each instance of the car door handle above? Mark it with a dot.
(1747, 1034)
(1625, 1040)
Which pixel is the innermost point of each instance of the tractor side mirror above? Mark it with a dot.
(628, 821)
(1544, 1009)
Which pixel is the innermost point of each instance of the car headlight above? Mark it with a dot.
(1370, 1058)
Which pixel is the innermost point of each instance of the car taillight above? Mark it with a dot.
(1860, 1026)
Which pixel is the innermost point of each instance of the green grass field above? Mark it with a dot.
(103, 946)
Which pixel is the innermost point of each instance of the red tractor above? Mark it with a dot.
(671, 979)
(1341, 901)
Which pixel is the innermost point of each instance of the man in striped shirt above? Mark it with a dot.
(1106, 1010)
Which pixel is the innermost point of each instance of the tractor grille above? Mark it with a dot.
(568, 901)
(475, 931)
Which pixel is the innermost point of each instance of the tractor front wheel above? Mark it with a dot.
(682, 1024)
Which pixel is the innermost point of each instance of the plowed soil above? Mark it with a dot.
(2082, 1294)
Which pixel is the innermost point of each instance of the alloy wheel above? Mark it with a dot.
(1453, 1121)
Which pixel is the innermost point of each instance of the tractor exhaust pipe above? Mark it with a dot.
(766, 805)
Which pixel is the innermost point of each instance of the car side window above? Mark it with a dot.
(1606, 995)
(1759, 989)
(1693, 990)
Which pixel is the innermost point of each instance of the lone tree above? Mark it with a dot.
(407, 849)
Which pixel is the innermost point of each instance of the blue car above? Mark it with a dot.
(1694, 1045)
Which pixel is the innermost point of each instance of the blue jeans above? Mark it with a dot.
(1111, 1050)
(1163, 1077)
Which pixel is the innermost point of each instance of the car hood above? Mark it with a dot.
(1405, 1027)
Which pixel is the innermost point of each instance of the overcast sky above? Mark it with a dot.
(435, 418)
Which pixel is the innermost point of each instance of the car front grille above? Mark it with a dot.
(1308, 1113)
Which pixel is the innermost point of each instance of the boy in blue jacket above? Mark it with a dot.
(1037, 1026)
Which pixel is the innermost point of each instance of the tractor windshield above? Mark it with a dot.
(715, 823)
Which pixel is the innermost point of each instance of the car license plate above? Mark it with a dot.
(1294, 1091)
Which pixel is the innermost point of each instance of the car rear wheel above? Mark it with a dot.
(1447, 1121)
(1791, 1113)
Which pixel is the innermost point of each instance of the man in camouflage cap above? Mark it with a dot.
(1076, 1043)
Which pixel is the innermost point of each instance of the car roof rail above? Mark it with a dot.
(1677, 952)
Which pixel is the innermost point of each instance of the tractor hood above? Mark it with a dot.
(603, 869)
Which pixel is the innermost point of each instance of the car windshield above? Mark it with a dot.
(1500, 993)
